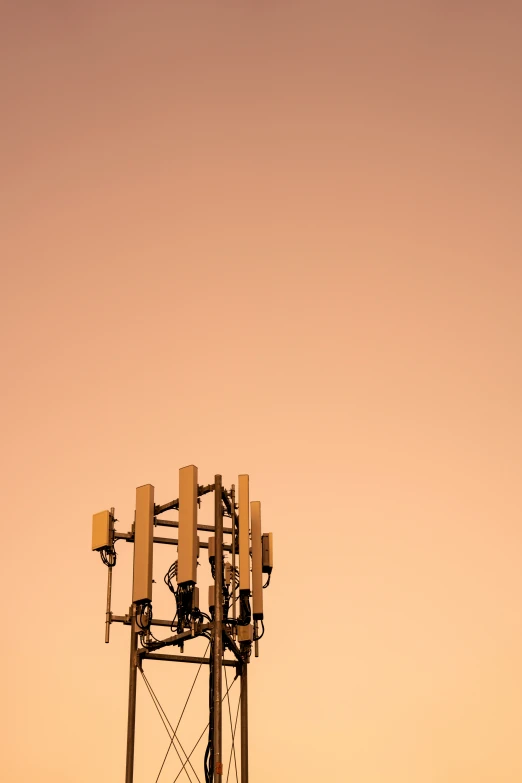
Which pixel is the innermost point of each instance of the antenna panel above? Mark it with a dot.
(188, 543)
(143, 532)
(244, 534)
(257, 560)
(101, 530)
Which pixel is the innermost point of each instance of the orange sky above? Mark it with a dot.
(280, 238)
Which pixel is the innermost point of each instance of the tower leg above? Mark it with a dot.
(218, 633)
(131, 723)
(244, 722)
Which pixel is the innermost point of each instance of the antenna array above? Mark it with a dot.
(234, 622)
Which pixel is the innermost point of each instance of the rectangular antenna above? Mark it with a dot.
(143, 532)
(244, 534)
(257, 560)
(101, 530)
(188, 525)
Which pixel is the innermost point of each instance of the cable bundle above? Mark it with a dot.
(108, 556)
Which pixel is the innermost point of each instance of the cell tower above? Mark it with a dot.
(233, 624)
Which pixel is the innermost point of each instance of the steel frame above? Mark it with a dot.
(222, 633)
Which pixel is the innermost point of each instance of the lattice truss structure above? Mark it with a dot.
(240, 565)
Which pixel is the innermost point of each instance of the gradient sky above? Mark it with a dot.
(280, 238)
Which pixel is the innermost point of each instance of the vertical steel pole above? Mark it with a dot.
(244, 722)
(218, 631)
(108, 612)
(131, 722)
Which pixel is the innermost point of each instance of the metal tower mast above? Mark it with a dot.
(228, 629)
